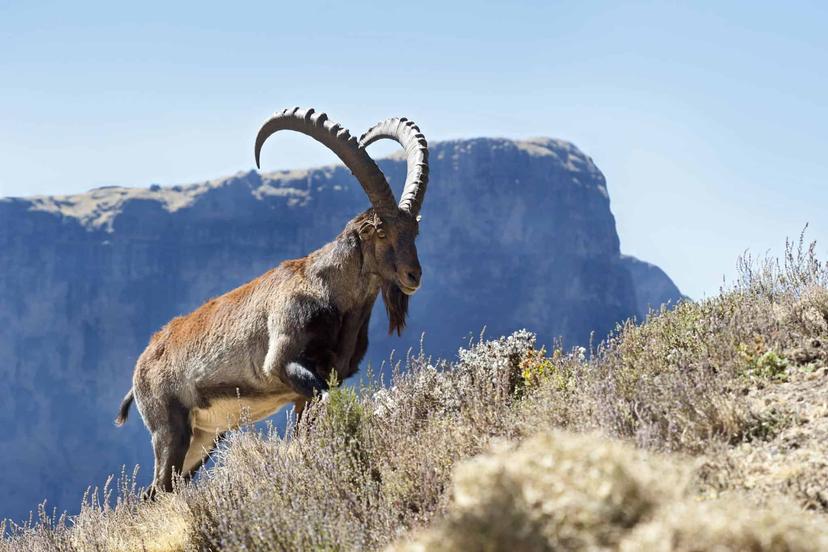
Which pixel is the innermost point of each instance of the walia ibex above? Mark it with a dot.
(278, 338)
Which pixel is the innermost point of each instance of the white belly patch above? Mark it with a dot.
(230, 413)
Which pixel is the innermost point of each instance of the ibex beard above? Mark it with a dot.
(279, 338)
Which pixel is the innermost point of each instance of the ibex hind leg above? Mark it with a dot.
(202, 445)
(170, 443)
(299, 408)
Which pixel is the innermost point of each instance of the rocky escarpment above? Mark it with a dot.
(514, 234)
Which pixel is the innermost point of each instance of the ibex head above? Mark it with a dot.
(387, 234)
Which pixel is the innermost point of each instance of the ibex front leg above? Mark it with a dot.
(283, 362)
(304, 380)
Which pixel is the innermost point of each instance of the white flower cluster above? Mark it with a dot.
(444, 387)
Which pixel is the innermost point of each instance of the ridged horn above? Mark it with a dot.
(408, 135)
(338, 140)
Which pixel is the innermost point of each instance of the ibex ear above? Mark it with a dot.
(366, 231)
(371, 226)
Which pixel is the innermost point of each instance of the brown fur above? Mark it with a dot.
(188, 327)
(297, 266)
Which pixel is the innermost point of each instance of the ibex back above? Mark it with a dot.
(276, 339)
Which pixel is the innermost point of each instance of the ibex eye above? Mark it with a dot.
(381, 233)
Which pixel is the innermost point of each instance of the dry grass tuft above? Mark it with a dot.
(162, 526)
(555, 491)
(561, 491)
(728, 524)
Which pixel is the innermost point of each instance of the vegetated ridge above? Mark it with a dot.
(703, 428)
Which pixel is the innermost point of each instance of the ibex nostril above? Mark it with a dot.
(413, 278)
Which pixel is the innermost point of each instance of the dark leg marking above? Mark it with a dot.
(170, 443)
(304, 381)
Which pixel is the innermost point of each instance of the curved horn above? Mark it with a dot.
(339, 140)
(408, 135)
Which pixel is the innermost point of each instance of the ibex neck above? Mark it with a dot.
(338, 266)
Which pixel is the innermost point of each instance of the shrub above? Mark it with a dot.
(554, 491)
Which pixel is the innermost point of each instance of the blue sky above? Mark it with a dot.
(708, 121)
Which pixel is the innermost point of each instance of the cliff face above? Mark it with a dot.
(514, 234)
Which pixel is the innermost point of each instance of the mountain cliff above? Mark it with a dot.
(514, 234)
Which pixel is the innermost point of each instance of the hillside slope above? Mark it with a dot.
(515, 234)
(702, 429)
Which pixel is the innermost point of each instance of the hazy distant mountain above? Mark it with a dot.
(653, 287)
(514, 234)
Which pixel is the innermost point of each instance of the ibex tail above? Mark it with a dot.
(124, 411)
